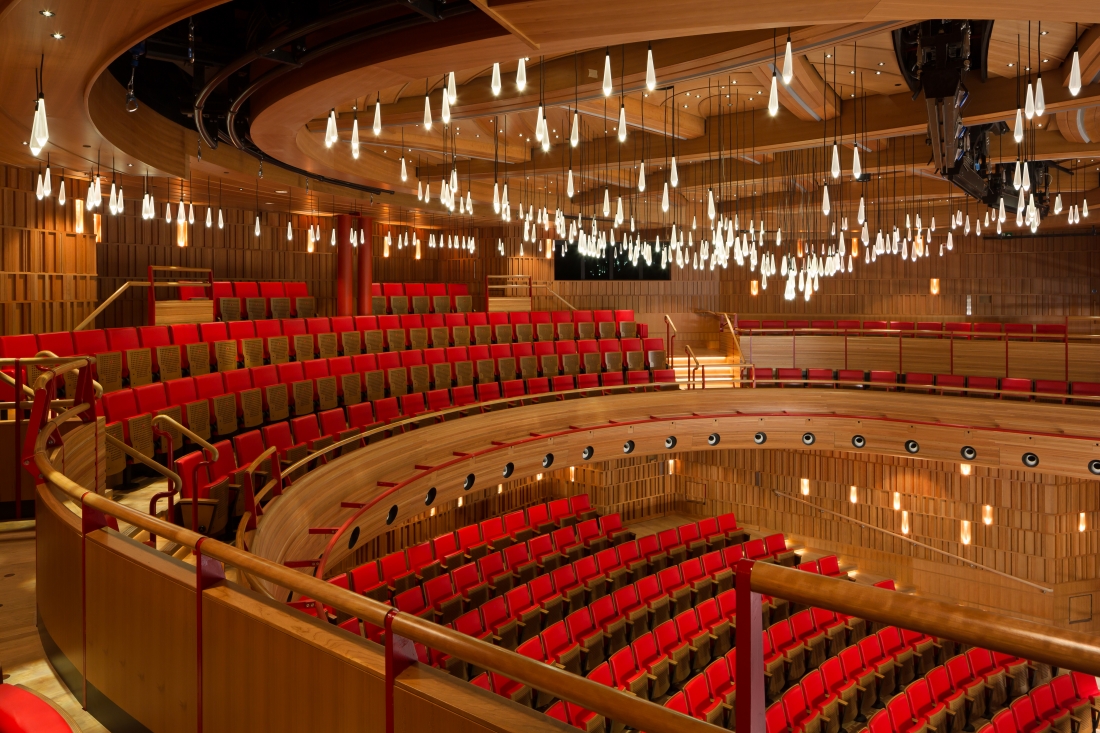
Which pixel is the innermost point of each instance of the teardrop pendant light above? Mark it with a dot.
(606, 203)
(857, 168)
(1075, 73)
(710, 204)
(607, 85)
(331, 136)
(1027, 178)
(773, 98)
(61, 193)
(569, 184)
(1040, 98)
(452, 90)
(495, 83)
(861, 214)
(38, 192)
(256, 229)
(427, 113)
(209, 218)
(788, 64)
(641, 177)
(825, 207)
(355, 139)
(622, 123)
(575, 135)
(289, 233)
(221, 220)
(377, 127)
(190, 208)
(834, 169)
(650, 73)
(674, 177)
(664, 199)
(47, 186)
(1018, 130)
(1017, 181)
(445, 111)
(538, 125)
(1029, 102)
(521, 75)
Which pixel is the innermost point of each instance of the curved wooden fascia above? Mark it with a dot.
(1064, 437)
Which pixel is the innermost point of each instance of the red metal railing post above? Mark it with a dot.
(18, 436)
(750, 653)
(400, 655)
(208, 571)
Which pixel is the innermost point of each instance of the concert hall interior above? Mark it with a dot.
(622, 355)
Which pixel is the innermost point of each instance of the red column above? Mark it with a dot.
(345, 305)
(365, 266)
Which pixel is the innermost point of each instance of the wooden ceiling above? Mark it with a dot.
(712, 62)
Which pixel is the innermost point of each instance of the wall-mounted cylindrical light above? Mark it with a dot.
(572, 473)
(432, 514)
(805, 488)
(500, 488)
(987, 515)
(78, 218)
(964, 532)
(964, 469)
(897, 501)
(905, 522)
(538, 477)
(460, 501)
(934, 286)
(671, 465)
(1081, 526)
(754, 287)
(853, 495)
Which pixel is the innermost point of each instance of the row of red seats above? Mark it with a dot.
(244, 290)
(953, 384)
(1069, 699)
(424, 297)
(122, 406)
(922, 329)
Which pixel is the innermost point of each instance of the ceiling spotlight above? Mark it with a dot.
(56, 36)
(47, 13)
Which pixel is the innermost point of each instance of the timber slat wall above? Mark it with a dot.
(47, 270)
(1041, 277)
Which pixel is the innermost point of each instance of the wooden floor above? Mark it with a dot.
(21, 654)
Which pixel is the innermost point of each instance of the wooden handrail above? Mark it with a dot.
(910, 540)
(1025, 639)
(609, 702)
(198, 439)
(110, 299)
(145, 460)
(698, 366)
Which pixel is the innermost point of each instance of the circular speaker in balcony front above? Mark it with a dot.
(714, 439)
(548, 460)
(588, 452)
(968, 452)
(429, 497)
(912, 446)
(469, 482)
(760, 438)
(859, 441)
(628, 446)
(391, 514)
(808, 438)
(670, 442)
(1094, 468)
(1030, 459)
(353, 538)
(508, 469)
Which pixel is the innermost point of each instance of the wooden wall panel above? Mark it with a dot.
(1023, 278)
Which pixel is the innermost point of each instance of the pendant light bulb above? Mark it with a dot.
(496, 197)
(569, 184)
(256, 228)
(445, 113)
(1017, 180)
(209, 218)
(861, 214)
(181, 215)
(1075, 73)
(190, 208)
(377, 127)
(664, 199)
(1029, 102)
(330, 130)
(495, 83)
(607, 86)
(61, 193)
(825, 206)
(641, 177)
(404, 170)
(606, 203)
(521, 75)
(773, 98)
(1018, 130)
(674, 176)
(452, 91)
(710, 204)
(650, 73)
(38, 192)
(1085, 208)
(221, 220)
(539, 120)
(427, 113)
(857, 168)
(622, 123)
(575, 135)
(788, 64)
(355, 139)
(835, 169)
(47, 186)
(1026, 183)
(289, 233)
(1040, 98)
